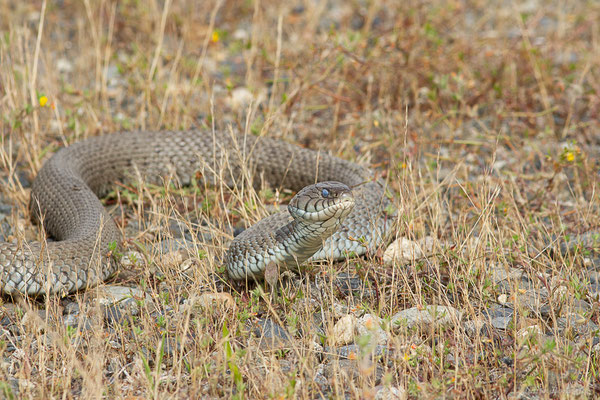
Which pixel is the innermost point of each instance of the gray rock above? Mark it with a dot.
(593, 275)
(357, 22)
(500, 317)
(505, 278)
(171, 346)
(344, 330)
(178, 228)
(589, 241)
(581, 306)
(353, 351)
(12, 391)
(113, 315)
(352, 370)
(71, 307)
(474, 327)
(574, 324)
(125, 298)
(369, 325)
(5, 227)
(24, 178)
(74, 321)
(321, 380)
(594, 291)
(172, 245)
(5, 208)
(533, 299)
(349, 284)
(443, 316)
(391, 393)
(271, 335)
(298, 9)
(64, 66)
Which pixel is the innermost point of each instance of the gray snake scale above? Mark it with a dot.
(65, 197)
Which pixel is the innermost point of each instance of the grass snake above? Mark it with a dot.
(324, 220)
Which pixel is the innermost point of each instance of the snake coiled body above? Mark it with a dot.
(65, 198)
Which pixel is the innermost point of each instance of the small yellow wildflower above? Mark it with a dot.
(215, 36)
(376, 123)
(570, 156)
(43, 101)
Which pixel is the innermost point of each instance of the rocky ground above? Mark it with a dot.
(484, 121)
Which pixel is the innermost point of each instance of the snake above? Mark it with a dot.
(341, 208)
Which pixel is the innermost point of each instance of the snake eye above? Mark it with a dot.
(325, 193)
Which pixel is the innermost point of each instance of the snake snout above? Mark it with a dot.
(322, 202)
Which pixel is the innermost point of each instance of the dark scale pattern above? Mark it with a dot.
(65, 197)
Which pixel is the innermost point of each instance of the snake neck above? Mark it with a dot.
(305, 239)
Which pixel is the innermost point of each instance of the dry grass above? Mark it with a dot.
(484, 119)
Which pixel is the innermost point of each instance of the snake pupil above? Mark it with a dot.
(325, 193)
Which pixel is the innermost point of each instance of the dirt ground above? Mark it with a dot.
(483, 117)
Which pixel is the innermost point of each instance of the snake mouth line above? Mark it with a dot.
(342, 207)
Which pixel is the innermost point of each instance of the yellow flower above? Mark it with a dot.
(570, 156)
(215, 36)
(43, 101)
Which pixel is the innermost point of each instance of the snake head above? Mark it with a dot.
(325, 201)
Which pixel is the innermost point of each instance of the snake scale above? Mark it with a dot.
(65, 197)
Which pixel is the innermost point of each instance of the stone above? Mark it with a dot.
(64, 66)
(349, 284)
(124, 297)
(353, 370)
(391, 393)
(354, 351)
(74, 321)
(404, 251)
(370, 324)
(241, 34)
(131, 259)
(532, 299)
(339, 310)
(594, 291)
(442, 316)
(343, 330)
(271, 335)
(505, 278)
(473, 327)
(574, 324)
(175, 245)
(240, 98)
(34, 321)
(529, 331)
(500, 316)
(219, 300)
(559, 289)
